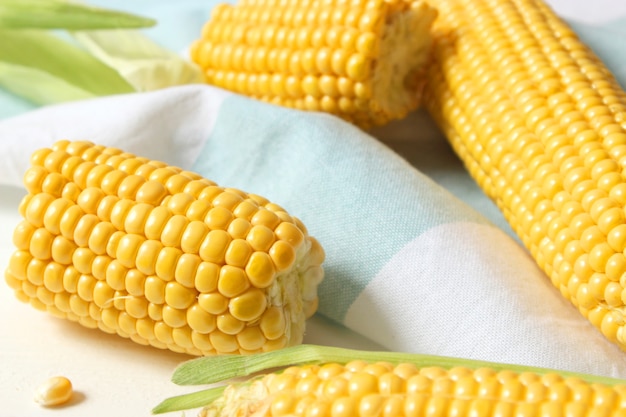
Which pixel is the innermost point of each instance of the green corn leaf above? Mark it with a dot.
(141, 62)
(188, 401)
(37, 86)
(212, 369)
(57, 14)
(48, 57)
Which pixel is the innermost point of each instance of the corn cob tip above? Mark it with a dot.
(362, 60)
(161, 255)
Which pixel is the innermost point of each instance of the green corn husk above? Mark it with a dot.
(102, 56)
(58, 14)
(143, 63)
(45, 69)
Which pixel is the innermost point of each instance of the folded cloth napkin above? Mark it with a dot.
(409, 264)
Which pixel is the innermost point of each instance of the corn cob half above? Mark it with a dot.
(161, 255)
(309, 380)
(540, 123)
(359, 59)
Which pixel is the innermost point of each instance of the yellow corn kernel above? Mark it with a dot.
(174, 317)
(214, 302)
(248, 306)
(173, 230)
(238, 253)
(193, 235)
(529, 109)
(136, 218)
(286, 58)
(160, 255)
(282, 254)
(156, 221)
(273, 323)
(54, 213)
(228, 324)
(135, 282)
(218, 218)
(223, 342)
(197, 210)
(251, 339)
(232, 281)
(166, 262)
(179, 296)
(260, 238)
(136, 307)
(55, 391)
(151, 192)
(214, 245)
(200, 320)
(186, 270)
(147, 255)
(239, 228)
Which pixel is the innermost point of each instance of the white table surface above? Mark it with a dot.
(114, 376)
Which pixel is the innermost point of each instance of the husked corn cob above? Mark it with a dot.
(161, 255)
(380, 389)
(358, 59)
(349, 383)
(540, 124)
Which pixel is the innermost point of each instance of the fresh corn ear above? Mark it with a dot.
(161, 255)
(359, 59)
(540, 124)
(309, 380)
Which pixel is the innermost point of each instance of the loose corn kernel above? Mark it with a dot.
(160, 255)
(54, 391)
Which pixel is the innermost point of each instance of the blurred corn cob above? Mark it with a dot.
(161, 255)
(360, 59)
(540, 123)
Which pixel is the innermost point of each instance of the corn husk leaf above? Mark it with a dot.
(188, 401)
(140, 61)
(20, 80)
(61, 70)
(59, 14)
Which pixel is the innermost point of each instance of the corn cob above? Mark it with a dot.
(359, 59)
(539, 122)
(161, 255)
(350, 383)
